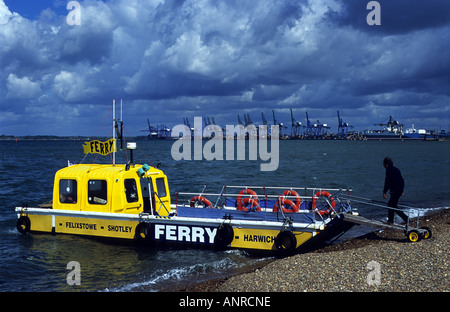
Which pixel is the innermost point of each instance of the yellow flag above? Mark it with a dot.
(98, 147)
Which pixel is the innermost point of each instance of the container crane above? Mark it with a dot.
(317, 130)
(279, 124)
(342, 127)
(158, 131)
(295, 126)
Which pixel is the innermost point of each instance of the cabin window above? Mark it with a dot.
(68, 191)
(97, 192)
(161, 187)
(131, 190)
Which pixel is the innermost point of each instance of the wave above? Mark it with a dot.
(186, 275)
(422, 212)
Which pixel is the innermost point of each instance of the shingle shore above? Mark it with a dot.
(383, 262)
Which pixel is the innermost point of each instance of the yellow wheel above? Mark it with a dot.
(285, 243)
(413, 236)
(23, 224)
(426, 232)
(142, 231)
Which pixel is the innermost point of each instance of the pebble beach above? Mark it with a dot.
(381, 261)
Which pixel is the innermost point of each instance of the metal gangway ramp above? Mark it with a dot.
(357, 219)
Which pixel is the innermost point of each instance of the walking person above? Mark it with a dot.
(394, 183)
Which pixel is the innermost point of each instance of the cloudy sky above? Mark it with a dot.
(169, 59)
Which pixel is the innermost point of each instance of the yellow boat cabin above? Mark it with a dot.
(112, 189)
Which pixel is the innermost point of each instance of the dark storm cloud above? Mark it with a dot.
(171, 59)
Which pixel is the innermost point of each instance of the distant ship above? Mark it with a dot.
(392, 130)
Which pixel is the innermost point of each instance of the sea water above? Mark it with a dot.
(38, 262)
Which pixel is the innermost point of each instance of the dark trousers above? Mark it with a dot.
(393, 202)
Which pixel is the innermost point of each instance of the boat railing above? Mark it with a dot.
(268, 197)
(304, 193)
(297, 188)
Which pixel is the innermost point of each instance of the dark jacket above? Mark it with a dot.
(394, 181)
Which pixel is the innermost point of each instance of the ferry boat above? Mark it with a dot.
(133, 202)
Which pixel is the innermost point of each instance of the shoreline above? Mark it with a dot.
(382, 261)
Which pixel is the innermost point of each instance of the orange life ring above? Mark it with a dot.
(206, 203)
(251, 204)
(239, 202)
(292, 193)
(326, 194)
(287, 205)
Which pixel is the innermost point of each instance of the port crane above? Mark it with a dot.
(316, 130)
(342, 127)
(296, 126)
(187, 124)
(264, 120)
(158, 131)
(279, 124)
